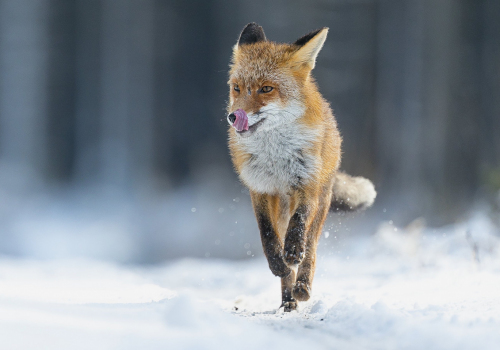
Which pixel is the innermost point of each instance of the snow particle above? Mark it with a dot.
(249, 252)
(327, 234)
(193, 210)
(247, 245)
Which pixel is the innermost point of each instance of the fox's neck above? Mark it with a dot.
(280, 157)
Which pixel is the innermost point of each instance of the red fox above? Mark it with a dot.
(285, 146)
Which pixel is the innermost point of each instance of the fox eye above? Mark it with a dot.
(266, 89)
(236, 87)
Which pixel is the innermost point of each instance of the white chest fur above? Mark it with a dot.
(280, 158)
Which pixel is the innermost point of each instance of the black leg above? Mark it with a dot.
(287, 301)
(295, 239)
(272, 245)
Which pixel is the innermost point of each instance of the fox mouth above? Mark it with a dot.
(251, 128)
(239, 121)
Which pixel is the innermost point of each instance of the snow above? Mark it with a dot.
(401, 288)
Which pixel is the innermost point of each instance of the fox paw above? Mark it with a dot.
(289, 305)
(278, 267)
(301, 291)
(294, 254)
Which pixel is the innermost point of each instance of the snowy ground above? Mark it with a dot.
(411, 288)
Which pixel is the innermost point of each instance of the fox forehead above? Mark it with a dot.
(260, 62)
(266, 63)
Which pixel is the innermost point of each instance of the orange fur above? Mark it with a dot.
(269, 63)
(287, 69)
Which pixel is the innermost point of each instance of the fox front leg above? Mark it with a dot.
(295, 239)
(302, 288)
(272, 246)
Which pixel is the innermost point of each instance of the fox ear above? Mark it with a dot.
(252, 33)
(308, 48)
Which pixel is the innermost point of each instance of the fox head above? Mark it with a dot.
(269, 82)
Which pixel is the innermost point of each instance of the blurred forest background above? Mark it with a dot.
(113, 130)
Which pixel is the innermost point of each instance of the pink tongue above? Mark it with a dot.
(241, 122)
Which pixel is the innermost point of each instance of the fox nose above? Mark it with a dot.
(231, 118)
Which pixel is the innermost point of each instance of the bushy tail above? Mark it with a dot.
(352, 193)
